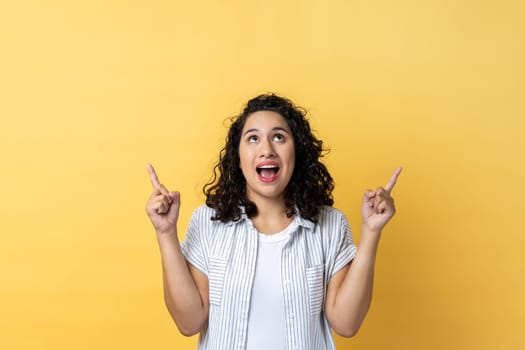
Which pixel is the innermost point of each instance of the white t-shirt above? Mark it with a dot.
(266, 319)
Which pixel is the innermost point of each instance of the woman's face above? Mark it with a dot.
(267, 155)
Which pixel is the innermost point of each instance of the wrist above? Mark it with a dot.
(167, 236)
(369, 237)
(368, 231)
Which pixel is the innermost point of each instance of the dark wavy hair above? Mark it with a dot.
(310, 186)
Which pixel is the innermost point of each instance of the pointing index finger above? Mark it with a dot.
(393, 179)
(153, 176)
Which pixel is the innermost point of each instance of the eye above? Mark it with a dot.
(253, 138)
(278, 137)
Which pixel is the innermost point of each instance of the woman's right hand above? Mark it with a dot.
(163, 206)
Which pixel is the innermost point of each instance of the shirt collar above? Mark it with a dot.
(242, 218)
(298, 219)
(304, 222)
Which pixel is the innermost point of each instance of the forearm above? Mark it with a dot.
(354, 295)
(181, 294)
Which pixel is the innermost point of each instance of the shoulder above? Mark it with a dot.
(203, 211)
(333, 225)
(202, 217)
(331, 216)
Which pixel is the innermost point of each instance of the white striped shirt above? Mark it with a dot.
(227, 254)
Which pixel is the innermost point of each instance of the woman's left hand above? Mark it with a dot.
(378, 206)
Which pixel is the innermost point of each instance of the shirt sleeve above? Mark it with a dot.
(344, 249)
(193, 245)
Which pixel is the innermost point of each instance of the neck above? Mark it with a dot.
(270, 207)
(271, 216)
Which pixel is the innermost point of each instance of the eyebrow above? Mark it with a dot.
(273, 129)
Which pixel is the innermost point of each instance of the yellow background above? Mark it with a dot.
(90, 91)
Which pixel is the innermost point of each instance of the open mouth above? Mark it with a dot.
(267, 172)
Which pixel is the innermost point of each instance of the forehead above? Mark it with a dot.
(265, 120)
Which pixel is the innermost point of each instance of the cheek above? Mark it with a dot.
(291, 157)
(244, 162)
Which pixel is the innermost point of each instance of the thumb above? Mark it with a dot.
(369, 194)
(368, 198)
(175, 195)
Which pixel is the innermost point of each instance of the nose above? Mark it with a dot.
(267, 150)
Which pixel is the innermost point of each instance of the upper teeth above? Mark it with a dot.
(268, 166)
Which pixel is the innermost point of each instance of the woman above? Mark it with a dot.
(268, 263)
